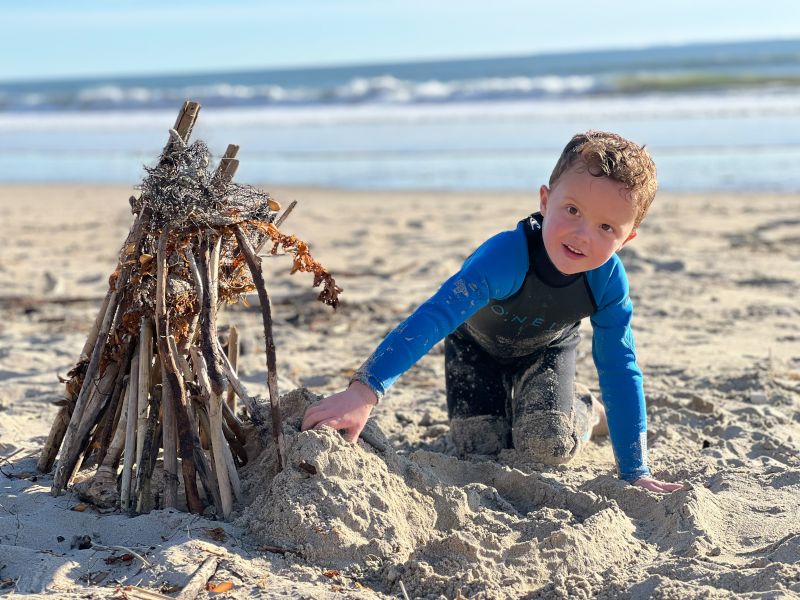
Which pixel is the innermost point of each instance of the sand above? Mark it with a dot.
(714, 279)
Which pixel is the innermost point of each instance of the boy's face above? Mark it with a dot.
(586, 220)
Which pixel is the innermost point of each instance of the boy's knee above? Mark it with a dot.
(546, 436)
(484, 434)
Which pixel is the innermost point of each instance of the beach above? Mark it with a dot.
(714, 282)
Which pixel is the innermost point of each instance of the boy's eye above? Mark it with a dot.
(606, 227)
(572, 210)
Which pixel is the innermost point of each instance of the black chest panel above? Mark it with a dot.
(547, 304)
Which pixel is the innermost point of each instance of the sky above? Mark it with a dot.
(52, 39)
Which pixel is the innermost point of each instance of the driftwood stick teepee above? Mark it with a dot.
(154, 391)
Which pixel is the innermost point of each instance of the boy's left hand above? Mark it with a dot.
(654, 485)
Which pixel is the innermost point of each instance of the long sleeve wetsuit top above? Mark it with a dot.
(512, 301)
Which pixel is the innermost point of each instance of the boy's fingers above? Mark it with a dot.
(333, 422)
(671, 487)
(352, 435)
(313, 417)
(661, 487)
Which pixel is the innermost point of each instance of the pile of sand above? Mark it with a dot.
(482, 529)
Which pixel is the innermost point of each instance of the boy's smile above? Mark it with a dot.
(585, 220)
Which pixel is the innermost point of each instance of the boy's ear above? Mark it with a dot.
(633, 234)
(543, 192)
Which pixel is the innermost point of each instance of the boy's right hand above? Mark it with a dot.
(348, 410)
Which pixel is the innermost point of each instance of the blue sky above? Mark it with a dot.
(48, 38)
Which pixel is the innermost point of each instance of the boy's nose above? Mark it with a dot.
(582, 233)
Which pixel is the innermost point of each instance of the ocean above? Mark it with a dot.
(716, 117)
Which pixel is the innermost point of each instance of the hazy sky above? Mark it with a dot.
(49, 38)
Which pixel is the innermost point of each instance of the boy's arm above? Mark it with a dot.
(495, 270)
(614, 353)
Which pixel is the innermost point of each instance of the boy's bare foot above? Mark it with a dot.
(601, 427)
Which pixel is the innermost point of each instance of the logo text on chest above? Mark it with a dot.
(529, 320)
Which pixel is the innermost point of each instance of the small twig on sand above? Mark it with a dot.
(403, 589)
(10, 456)
(133, 553)
(278, 550)
(197, 582)
(138, 593)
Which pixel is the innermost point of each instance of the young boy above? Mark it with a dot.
(510, 321)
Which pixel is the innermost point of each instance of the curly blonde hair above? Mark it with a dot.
(605, 154)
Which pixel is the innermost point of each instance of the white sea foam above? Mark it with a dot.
(627, 108)
(382, 89)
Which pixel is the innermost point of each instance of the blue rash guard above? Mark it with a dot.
(497, 271)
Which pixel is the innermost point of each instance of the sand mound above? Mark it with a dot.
(439, 524)
(484, 529)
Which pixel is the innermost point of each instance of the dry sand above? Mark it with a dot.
(715, 281)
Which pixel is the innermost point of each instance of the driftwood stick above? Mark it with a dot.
(145, 370)
(214, 407)
(144, 474)
(206, 472)
(186, 445)
(200, 461)
(183, 364)
(227, 167)
(208, 323)
(254, 262)
(167, 400)
(278, 223)
(255, 408)
(237, 385)
(130, 433)
(198, 287)
(171, 376)
(235, 424)
(236, 446)
(106, 475)
(63, 472)
(170, 445)
(233, 358)
(91, 339)
(203, 424)
(186, 120)
(115, 405)
(199, 579)
(101, 393)
(230, 466)
(285, 214)
(59, 427)
(213, 275)
(108, 424)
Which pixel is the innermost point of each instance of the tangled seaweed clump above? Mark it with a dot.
(181, 192)
(182, 196)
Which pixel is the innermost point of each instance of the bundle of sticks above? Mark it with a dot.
(154, 374)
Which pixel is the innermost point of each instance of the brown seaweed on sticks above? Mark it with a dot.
(149, 414)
